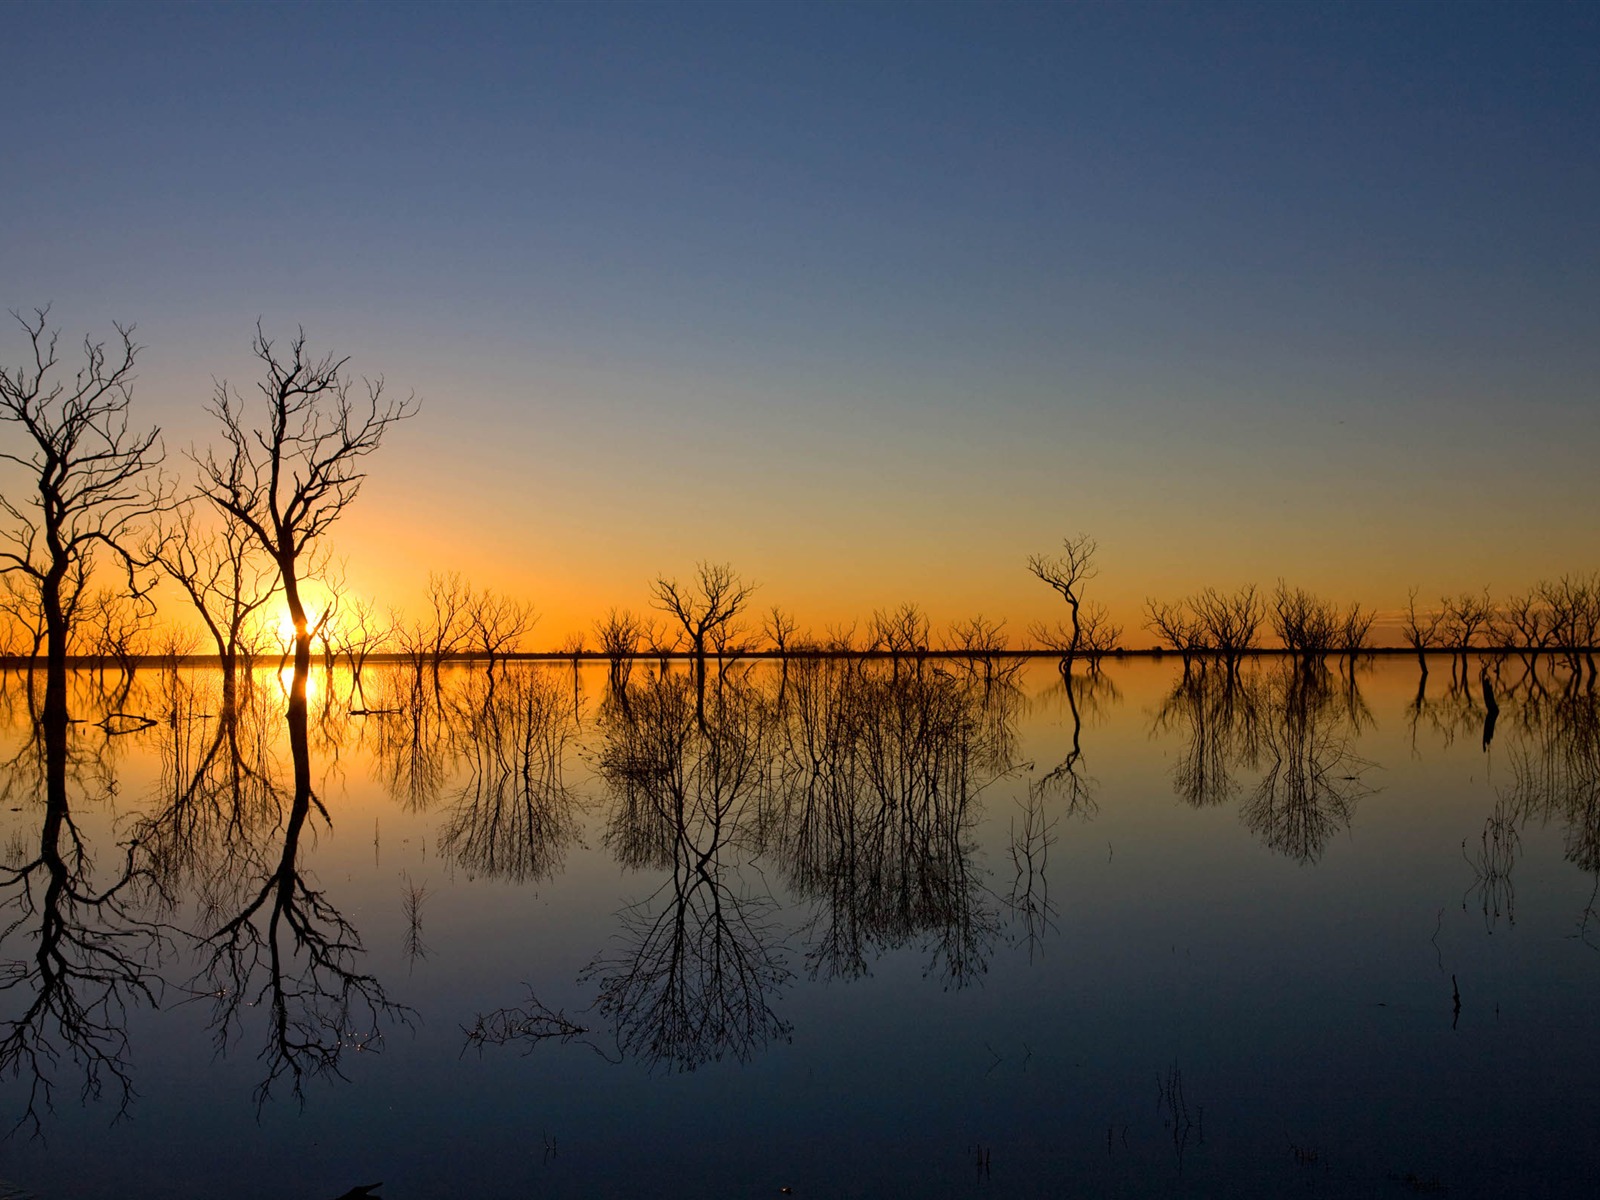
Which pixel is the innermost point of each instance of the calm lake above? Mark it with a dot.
(851, 928)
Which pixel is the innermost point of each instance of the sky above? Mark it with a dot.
(870, 301)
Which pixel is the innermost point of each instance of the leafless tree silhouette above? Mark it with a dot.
(92, 482)
(290, 477)
(1067, 573)
(224, 574)
(1175, 623)
(1421, 631)
(1231, 621)
(515, 817)
(497, 625)
(704, 610)
(619, 634)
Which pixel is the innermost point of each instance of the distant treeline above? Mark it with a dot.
(90, 523)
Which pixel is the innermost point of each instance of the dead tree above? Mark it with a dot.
(618, 634)
(703, 609)
(1175, 623)
(90, 477)
(902, 632)
(1231, 621)
(780, 628)
(449, 620)
(496, 625)
(362, 630)
(225, 575)
(1421, 630)
(1067, 572)
(1462, 620)
(290, 477)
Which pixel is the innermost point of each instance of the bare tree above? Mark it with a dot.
(703, 609)
(901, 631)
(1306, 624)
(1067, 572)
(1355, 625)
(226, 576)
(780, 627)
(24, 615)
(1175, 623)
(114, 628)
(362, 630)
(288, 479)
(1231, 621)
(1462, 619)
(618, 634)
(1421, 630)
(497, 624)
(1574, 603)
(89, 474)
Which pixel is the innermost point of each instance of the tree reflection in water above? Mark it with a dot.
(860, 779)
(1555, 771)
(1217, 714)
(515, 816)
(1312, 779)
(286, 950)
(879, 787)
(91, 955)
(1296, 722)
(696, 966)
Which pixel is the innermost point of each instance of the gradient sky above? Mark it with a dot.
(870, 301)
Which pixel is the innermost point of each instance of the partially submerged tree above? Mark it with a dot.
(618, 634)
(362, 630)
(291, 475)
(90, 476)
(703, 609)
(497, 624)
(1421, 630)
(1231, 621)
(1067, 573)
(225, 574)
(780, 628)
(1175, 622)
(1462, 619)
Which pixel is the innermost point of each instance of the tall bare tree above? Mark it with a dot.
(90, 476)
(1067, 573)
(290, 476)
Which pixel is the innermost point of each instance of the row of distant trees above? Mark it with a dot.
(89, 499)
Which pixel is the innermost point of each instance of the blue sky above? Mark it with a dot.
(872, 300)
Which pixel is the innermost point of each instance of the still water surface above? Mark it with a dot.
(855, 929)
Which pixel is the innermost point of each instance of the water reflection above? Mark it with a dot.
(286, 951)
(820, 820)
(1312, 779)
(1217, 717)
(514, 818)
(694, 972)
(86, 953)
(879, 802)
(1555, 769)
(1294, 721)
(859, 780)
